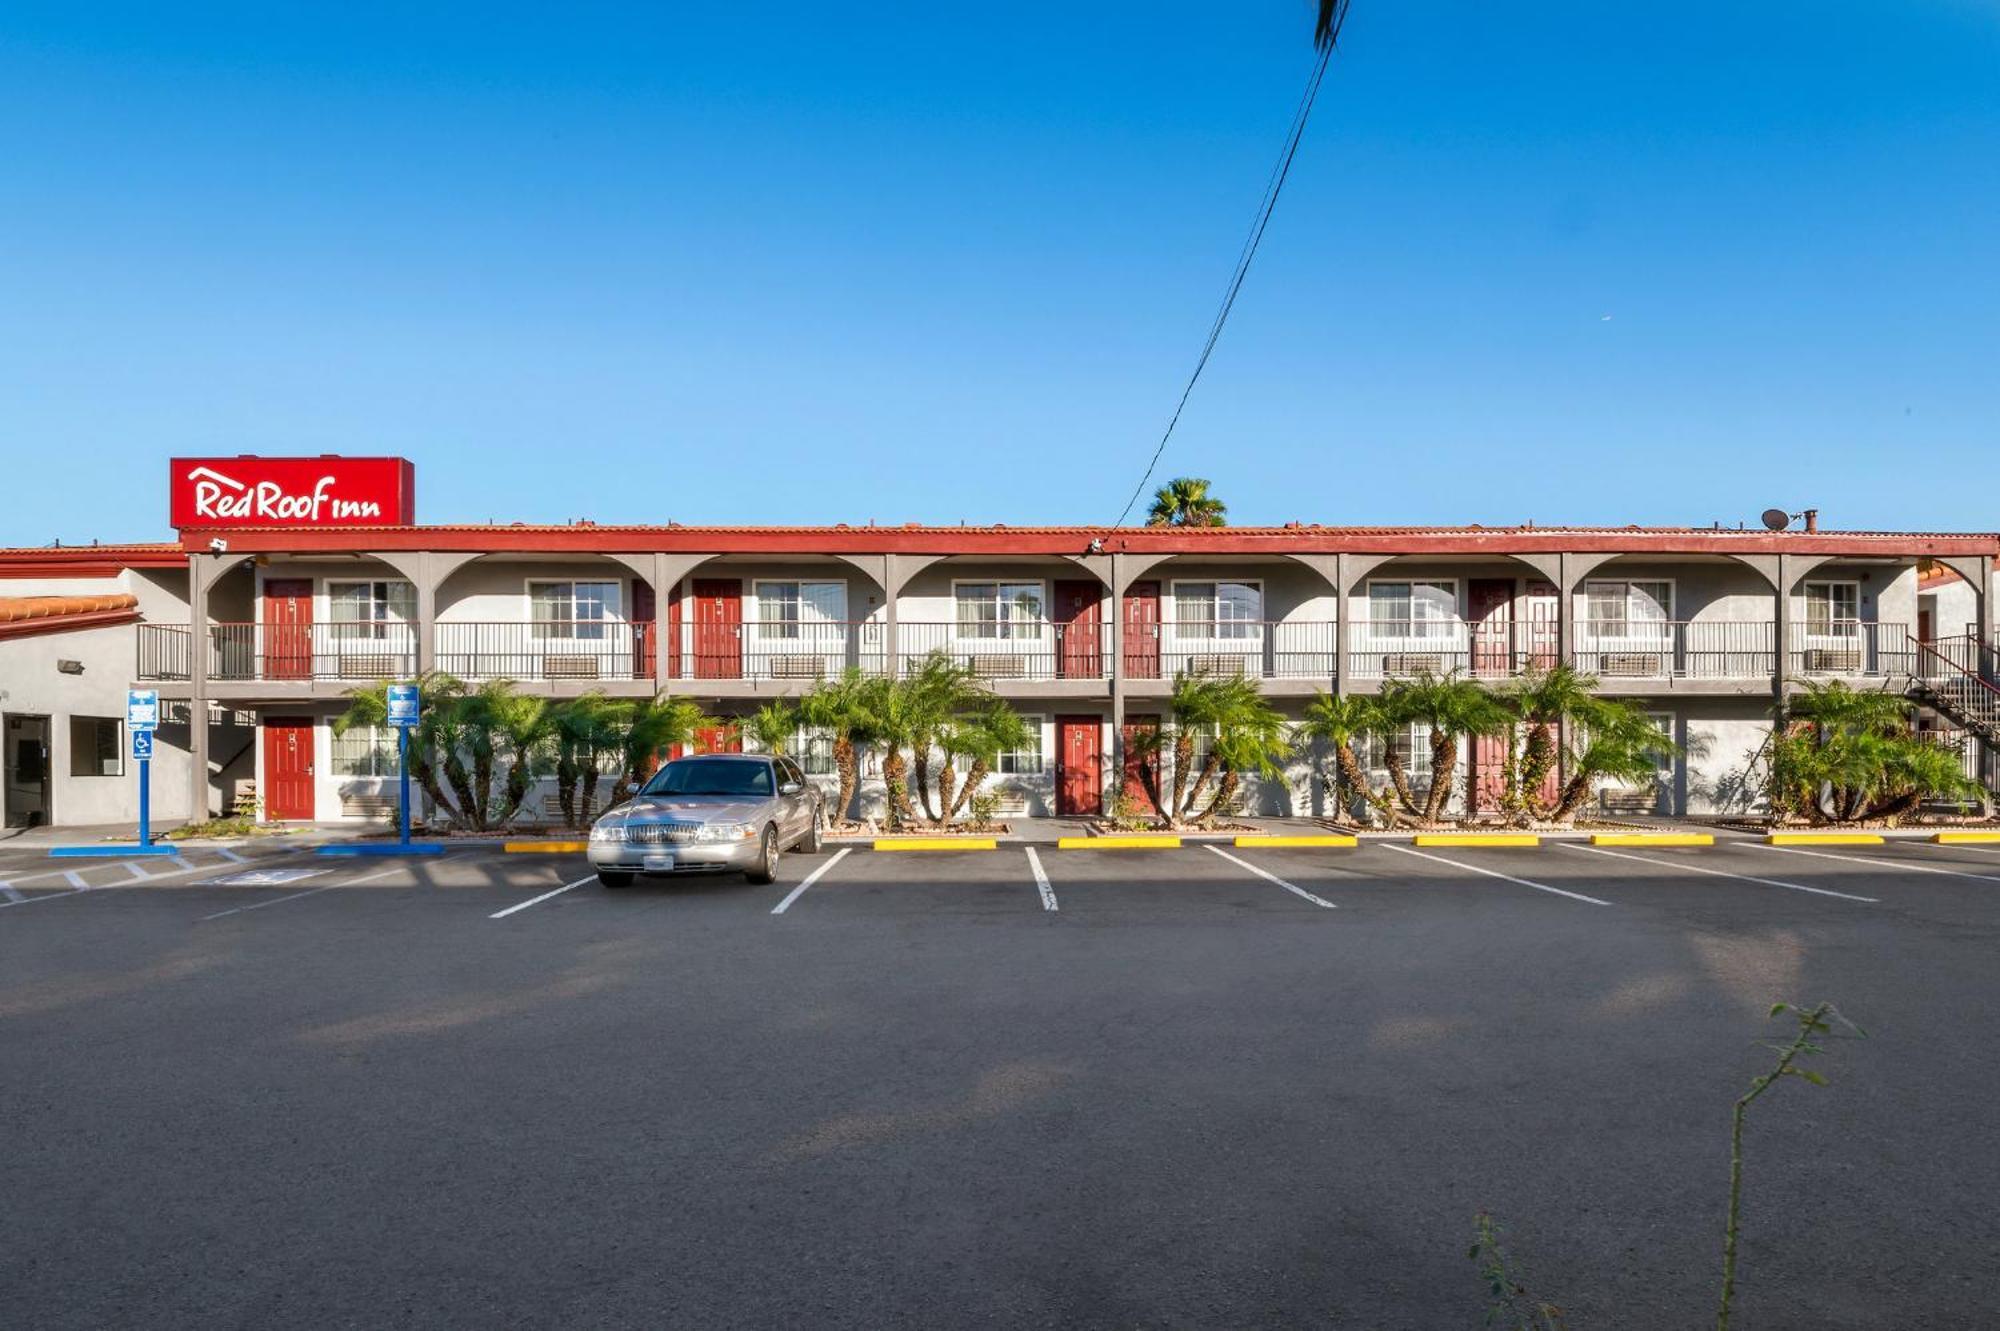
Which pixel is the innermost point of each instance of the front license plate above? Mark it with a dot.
(659, 861)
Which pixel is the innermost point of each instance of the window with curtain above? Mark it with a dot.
(572, 610)
(1218, 609)
(1412, 743)
(1412, 609)
(365, 611)
(1833, 609)
(365, 751)
(999, 609)
(789, 611)
(1026, 760)
(1613, 609)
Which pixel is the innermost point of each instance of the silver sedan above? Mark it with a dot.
(719, 812)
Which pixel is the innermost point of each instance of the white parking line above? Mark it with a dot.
(1273, 878)
(229, 854)
(1494, 873)
(78, 886)
(536, 901)
(73, 878)
(1718, 873)
(1885, 864)
(1042, 880)
(11, 892)
(310, 892)
(810, 879)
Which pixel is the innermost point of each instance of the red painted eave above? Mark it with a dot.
(88, 561)
(573, 539)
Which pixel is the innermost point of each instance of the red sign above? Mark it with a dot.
(329, 491)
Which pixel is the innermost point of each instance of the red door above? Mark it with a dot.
(675, 618)
(288, 617)
(1137, 727)
(1078, 617)
(1490, 603)
(645, 631)
(1142, 631)
(718, 628)
(1079, 766)
(288, 768)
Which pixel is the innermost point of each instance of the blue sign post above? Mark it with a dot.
(405, 702)
(142, 718)
(405, 706)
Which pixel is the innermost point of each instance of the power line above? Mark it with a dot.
(1272, 189)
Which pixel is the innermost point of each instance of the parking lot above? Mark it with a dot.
(1203, 1087)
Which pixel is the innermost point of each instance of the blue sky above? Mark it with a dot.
(807, 263)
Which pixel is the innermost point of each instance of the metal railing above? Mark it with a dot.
(283, 652)
(546, 650)
(1720, 649)
(1400, 648)
(1019, 650)
(1851, 648)
(1251, 649)
(805, 652)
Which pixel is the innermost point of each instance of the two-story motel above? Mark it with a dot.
(260, 622)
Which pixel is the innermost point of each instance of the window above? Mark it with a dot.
(365, 751)
(1412, 609)
(787, 611)
(1218, 609)
(814, 749)
(1833, 609)
(96, 746)
(999, 609)
(370, 610)
(572, 610)
(1627, 609)
(1026, 760)
(1412, 743)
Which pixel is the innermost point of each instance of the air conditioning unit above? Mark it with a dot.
(371, 665)
(1219, 664)
(1632, 664)
(798, 667)
(569, 667)
(1413, 663)
(1833, 660)
(1629, 800)
(999, 667)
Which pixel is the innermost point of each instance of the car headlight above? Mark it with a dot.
(608, 832)
(724, 832)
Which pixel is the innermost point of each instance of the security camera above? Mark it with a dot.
(217, 544)
(1097, 545)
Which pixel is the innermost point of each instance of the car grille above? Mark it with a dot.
(660, 834)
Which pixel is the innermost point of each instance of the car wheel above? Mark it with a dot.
(812, 842)
(613, 878)
(766, 868)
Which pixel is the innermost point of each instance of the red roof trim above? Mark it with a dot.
(88, 561)
(96, 619)
(1076, 540)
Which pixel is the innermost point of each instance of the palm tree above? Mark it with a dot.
(1849, 755)
(1245, 734)
(1452, 707)
(1540, 702)
(434, 740)
(980, 736)
(936, 692)
(1340, 722)
(1186, 502)
(1620, 743)
(773, 726)
(520, 729)
(656, 725)
(584, 731)
(840, 708)
(1326, 29)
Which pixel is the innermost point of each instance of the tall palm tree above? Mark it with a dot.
(584, 732)
(1453, 707)
(979, 736)
(1186, 502)
(1539, 702)
(1244, 731)
(840, 707)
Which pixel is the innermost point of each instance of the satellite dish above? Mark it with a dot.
(1777, 519)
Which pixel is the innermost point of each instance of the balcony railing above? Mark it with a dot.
(1399, 648)
(1678, 650)
(330, 651)
(1851, 648)
(546, 650)
(1025, 650)
(1252, 649)
(804, 652)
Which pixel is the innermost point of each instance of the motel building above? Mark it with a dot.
(294, 580)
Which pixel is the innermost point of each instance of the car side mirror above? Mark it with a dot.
(790, 788)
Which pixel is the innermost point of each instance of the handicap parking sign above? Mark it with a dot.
(142, 744)
(403, 705)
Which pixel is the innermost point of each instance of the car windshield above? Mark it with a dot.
(711, 776)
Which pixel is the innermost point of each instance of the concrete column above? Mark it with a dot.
(426, 583)
(1121, 578)
(203, 570)
(892, 592)
(1788, 574)
(1343, 636)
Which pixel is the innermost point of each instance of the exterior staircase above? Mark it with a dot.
(1959, 679)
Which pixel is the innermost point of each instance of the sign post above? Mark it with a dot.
(142, 718)
(405, 703)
